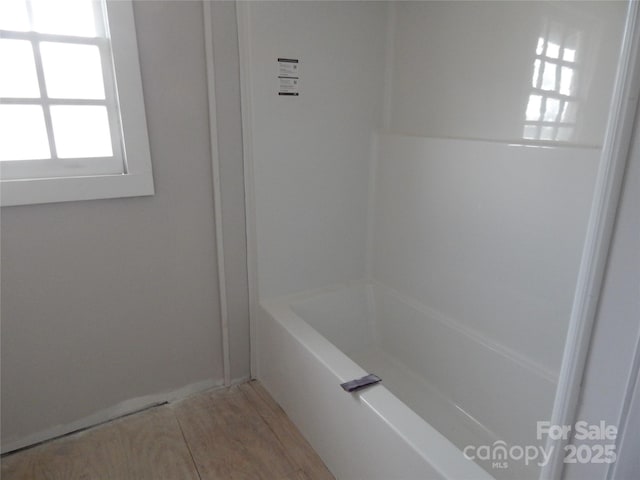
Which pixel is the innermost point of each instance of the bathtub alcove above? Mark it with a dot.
(418, 211)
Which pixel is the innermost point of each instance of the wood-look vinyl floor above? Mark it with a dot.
(236, 433)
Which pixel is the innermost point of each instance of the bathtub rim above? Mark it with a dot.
(419, 435)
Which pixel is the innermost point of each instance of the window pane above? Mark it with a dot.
(533, 108)
(70, 17)
(530, 132)
(566, 80)
(546, 133)
(571, 47)
(536, 73)
(81, 131)
(13, 15)
(569, 55)
(23, 135)
(18, 78)
(72, 71)
(552, 110)
(549, 76)
(553, 50)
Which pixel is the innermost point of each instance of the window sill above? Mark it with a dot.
(68, 189)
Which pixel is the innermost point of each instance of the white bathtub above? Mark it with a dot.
(443, 387)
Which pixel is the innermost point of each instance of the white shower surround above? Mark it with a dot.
(471, 378)
(296, 363)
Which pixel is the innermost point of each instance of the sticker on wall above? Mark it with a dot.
(288, 77)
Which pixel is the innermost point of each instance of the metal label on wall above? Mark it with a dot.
(288, 77)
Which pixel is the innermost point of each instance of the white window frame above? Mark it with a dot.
(135, 178)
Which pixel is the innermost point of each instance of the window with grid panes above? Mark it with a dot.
(66, 68)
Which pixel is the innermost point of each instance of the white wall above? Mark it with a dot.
(112, 300)
(311, 153)
(464, 69)
(487, 234)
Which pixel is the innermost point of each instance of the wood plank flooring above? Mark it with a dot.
(236, 433)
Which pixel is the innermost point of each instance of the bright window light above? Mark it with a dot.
(549, 76)
(533, 107)
(21, 79)
(569, 55)
(14, 16)
(81, 131)
(64, 136)
(54, 83)
(566, 80)
(68, 17)
(23, 135)
(536, 72)
(72, 71)
(553, 50)
(552, 110)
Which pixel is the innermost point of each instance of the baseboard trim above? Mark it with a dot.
(121, 409)
(240, 380)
